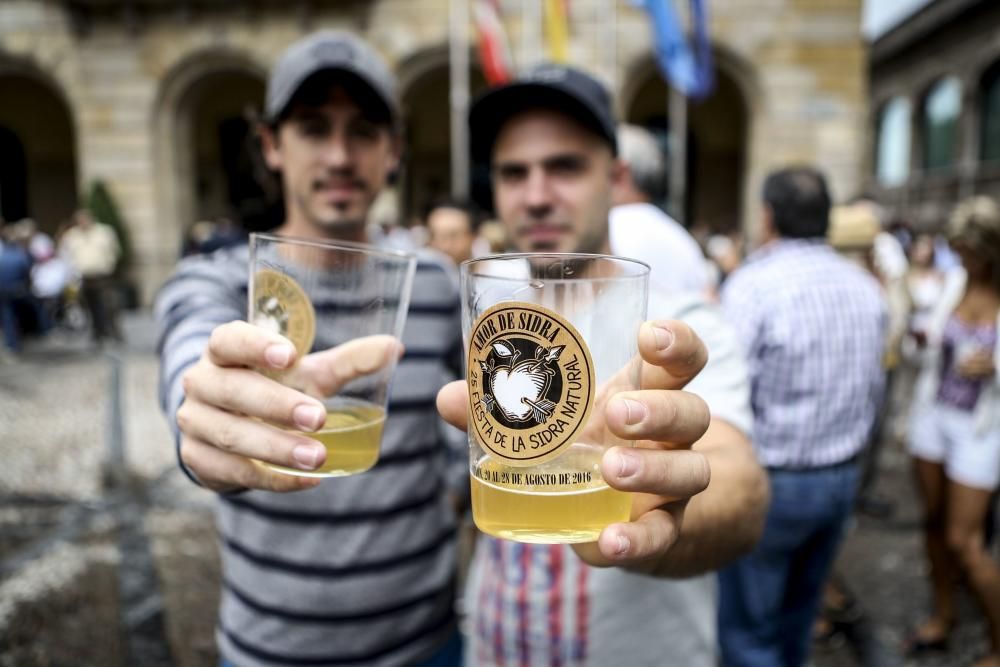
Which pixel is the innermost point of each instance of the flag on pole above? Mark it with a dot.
(557, 29)
(688, 69)
(494, 54)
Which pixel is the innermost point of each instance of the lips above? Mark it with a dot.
(544, 233)
(338, 192)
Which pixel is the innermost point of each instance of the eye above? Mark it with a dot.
(570, 165)
(313, 127)
(511, 173)
(362, 129)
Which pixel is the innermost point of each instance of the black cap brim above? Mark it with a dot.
(495, 107)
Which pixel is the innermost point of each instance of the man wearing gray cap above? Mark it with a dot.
(642, 595)
(359, 570)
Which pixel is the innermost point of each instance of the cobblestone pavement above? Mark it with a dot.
(108, 554)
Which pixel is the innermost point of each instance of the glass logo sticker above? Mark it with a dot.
(531, 382)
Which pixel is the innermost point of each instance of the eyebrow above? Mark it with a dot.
(558, 161)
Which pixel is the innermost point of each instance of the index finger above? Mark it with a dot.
(453, 404)
(673, 354)
(240, 343)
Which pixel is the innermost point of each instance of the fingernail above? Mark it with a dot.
(307, 456)
(623, 545)
(627, 464)
(663, 337)
(635, 411)
(278, 355)
(309, 417)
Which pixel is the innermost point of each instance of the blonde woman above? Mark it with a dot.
(955, 437)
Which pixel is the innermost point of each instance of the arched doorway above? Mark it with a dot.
(207, 146)
(717, 141)
(37, 152)
(221, 109)
(425, 173)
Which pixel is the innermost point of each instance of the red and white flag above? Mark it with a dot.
(494, 53)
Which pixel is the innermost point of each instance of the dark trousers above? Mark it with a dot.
(8, 320)
(768, 599)
(102, 306)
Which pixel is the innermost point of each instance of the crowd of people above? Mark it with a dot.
(66, 281)
(765, 384)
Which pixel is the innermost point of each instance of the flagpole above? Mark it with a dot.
(531, 33)
(677, 175)
(459, 97)
(610, 45)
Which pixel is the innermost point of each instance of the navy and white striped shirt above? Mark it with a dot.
(812, 325)
(359, 570)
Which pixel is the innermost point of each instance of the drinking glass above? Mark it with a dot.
(550, 338)
(321, 294)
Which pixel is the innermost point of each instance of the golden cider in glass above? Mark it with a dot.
(351, 437)
(564, 501)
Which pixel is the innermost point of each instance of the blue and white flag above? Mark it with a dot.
(688, 69)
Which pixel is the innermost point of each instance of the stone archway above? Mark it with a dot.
(718, 138)
(425, 172)
(205, 146)
(38, 166)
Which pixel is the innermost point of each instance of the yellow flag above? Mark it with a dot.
(557, 30)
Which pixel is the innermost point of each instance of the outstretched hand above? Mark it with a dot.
(661, 471)
(234, 416)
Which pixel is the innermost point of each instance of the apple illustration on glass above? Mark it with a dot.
(518, 388)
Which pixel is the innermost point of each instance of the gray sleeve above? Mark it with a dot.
(724, 382)
(189, 306)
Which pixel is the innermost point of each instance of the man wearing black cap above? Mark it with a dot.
(358, 570)
(699, 495)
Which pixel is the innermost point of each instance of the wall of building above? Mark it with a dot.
(963, 48)
(800, 66)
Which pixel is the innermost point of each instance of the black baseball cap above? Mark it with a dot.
(544, 86)
(338, 54)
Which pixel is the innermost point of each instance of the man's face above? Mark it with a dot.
(552, 183)
(451, 233)
(333, 163)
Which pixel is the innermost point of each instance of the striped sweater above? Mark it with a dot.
(359, 570)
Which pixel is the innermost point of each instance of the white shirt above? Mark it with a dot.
(644, 232)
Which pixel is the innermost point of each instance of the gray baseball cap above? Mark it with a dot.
(547, 85)
(334, 52)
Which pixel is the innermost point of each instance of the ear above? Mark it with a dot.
(395, 151)
(270, 146)
(767, 230)
(621, 175)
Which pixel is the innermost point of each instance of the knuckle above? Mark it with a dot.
(189, 379)
(217, 341)
(228, 437)
(188, 453)
(248, 474)
(667, 410)
(228, 389)
(183, 417)
(702, 471)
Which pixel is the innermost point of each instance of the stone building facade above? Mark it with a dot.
(935, 99)
(153, 98)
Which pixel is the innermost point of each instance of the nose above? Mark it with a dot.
(336, 152)
(538, 195)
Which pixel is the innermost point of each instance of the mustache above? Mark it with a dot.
(525, 228)
(339, 180)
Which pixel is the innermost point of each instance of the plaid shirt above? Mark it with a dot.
(812, 326)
